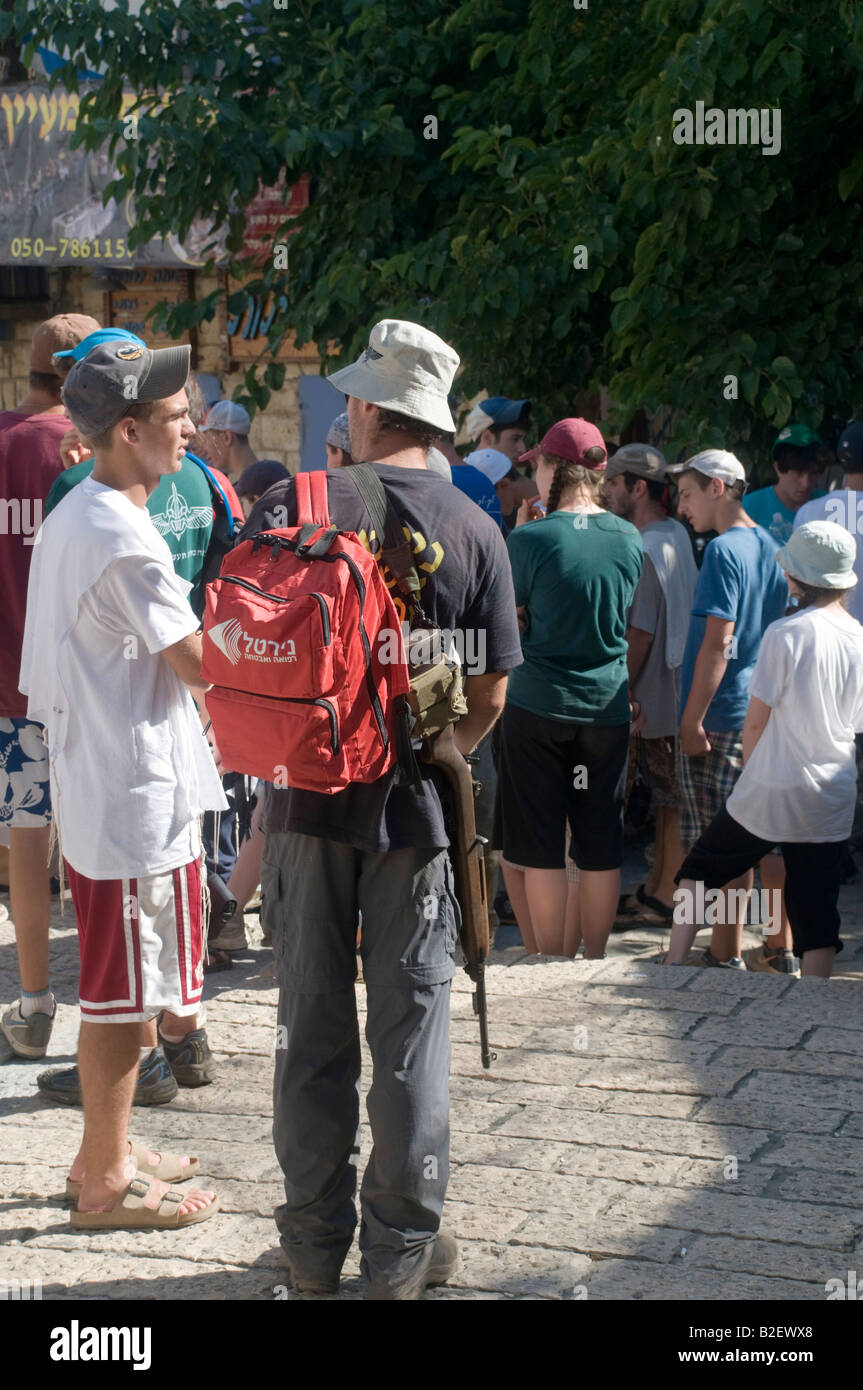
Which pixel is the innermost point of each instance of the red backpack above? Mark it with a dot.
(299, 632)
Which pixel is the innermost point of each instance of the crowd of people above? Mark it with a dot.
(613, 649)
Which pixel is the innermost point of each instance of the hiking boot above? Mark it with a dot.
(441, 1267)
(778, 962)
(156, 1083)
(311, 1288)
(229, 935)
(708, 958)
(191, 1060)
(27, 1037)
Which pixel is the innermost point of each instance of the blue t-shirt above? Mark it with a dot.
(739, 581)
(765, 509)
(475, 485)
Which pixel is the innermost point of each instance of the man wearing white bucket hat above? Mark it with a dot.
(798, 784)
(381, 849)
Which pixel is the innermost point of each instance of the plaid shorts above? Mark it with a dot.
(707, 782)
(655, 759)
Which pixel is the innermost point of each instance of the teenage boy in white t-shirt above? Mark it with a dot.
(111, 649)
(798, 784)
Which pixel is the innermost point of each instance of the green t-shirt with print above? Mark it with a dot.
(576, 574)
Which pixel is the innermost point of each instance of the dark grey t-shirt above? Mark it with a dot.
(467, 590)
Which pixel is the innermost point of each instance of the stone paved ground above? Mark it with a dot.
(640, 1136)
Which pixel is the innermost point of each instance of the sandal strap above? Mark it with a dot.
(169, 1167)
(139, 1189)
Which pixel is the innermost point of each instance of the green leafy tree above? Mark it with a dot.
(507, 174)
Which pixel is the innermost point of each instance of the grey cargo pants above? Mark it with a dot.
(314, 889)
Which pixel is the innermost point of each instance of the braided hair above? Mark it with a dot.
(568, 475)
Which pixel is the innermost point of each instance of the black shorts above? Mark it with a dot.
(812, 876)
(550, 772)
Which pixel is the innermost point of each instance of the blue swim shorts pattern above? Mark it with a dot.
(25, 792)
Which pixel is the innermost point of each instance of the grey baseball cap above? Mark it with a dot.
(100, 388)
(642, 460)
(338, 434)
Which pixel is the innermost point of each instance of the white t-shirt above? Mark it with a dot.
(841, 507)
(800, 783)
(130, 768)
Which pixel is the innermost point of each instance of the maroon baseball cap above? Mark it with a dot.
(570, 439)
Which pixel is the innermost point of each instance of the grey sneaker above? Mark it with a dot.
(772, 962)
(27, 1037)
(709, 959)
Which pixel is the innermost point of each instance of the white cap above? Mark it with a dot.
(405, 368)
(494, 464)
(713, 463)
(227, 415)
(476, 422)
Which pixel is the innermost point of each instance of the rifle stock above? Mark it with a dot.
(466, 852)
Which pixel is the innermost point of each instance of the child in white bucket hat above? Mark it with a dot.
(798, 785)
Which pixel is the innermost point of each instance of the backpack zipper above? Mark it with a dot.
(279, 598)
(326, 704)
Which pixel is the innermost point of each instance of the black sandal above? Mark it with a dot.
(654, 904)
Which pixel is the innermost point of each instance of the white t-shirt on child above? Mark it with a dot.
(800, 784)
(130, 768)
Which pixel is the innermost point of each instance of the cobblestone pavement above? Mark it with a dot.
(694, 1135)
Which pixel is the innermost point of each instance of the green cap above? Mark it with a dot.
(798, 436)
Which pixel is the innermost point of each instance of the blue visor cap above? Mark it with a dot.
(102, 335)
(503, 411)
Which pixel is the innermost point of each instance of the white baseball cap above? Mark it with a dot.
(713, 463)
(405, 368)
(227, 415)
(494, 464)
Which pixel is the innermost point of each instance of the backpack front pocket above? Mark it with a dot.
(298, 741)
(282, 647)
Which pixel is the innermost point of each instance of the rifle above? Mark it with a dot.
(466, 852)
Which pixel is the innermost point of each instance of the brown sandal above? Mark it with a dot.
(129, 1212)
(168, 1168)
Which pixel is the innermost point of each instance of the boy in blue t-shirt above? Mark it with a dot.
(795, 462)
(740, 591)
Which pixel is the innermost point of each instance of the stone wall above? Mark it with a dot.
(275, 431)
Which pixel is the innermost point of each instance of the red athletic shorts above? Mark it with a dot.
(140, 944)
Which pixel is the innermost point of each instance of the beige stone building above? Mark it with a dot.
(275, 431)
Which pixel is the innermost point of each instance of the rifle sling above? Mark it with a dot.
(396, 551)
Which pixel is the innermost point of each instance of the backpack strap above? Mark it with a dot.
(396, 550)
(312, 500)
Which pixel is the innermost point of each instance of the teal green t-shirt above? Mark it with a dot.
(576, 574)
(181, 509)
(765, 509)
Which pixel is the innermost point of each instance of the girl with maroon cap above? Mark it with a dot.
(565, 728)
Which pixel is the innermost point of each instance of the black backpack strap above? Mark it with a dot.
(396, 550)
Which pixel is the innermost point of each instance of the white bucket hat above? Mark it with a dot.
(822, 554)
(405, 368)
